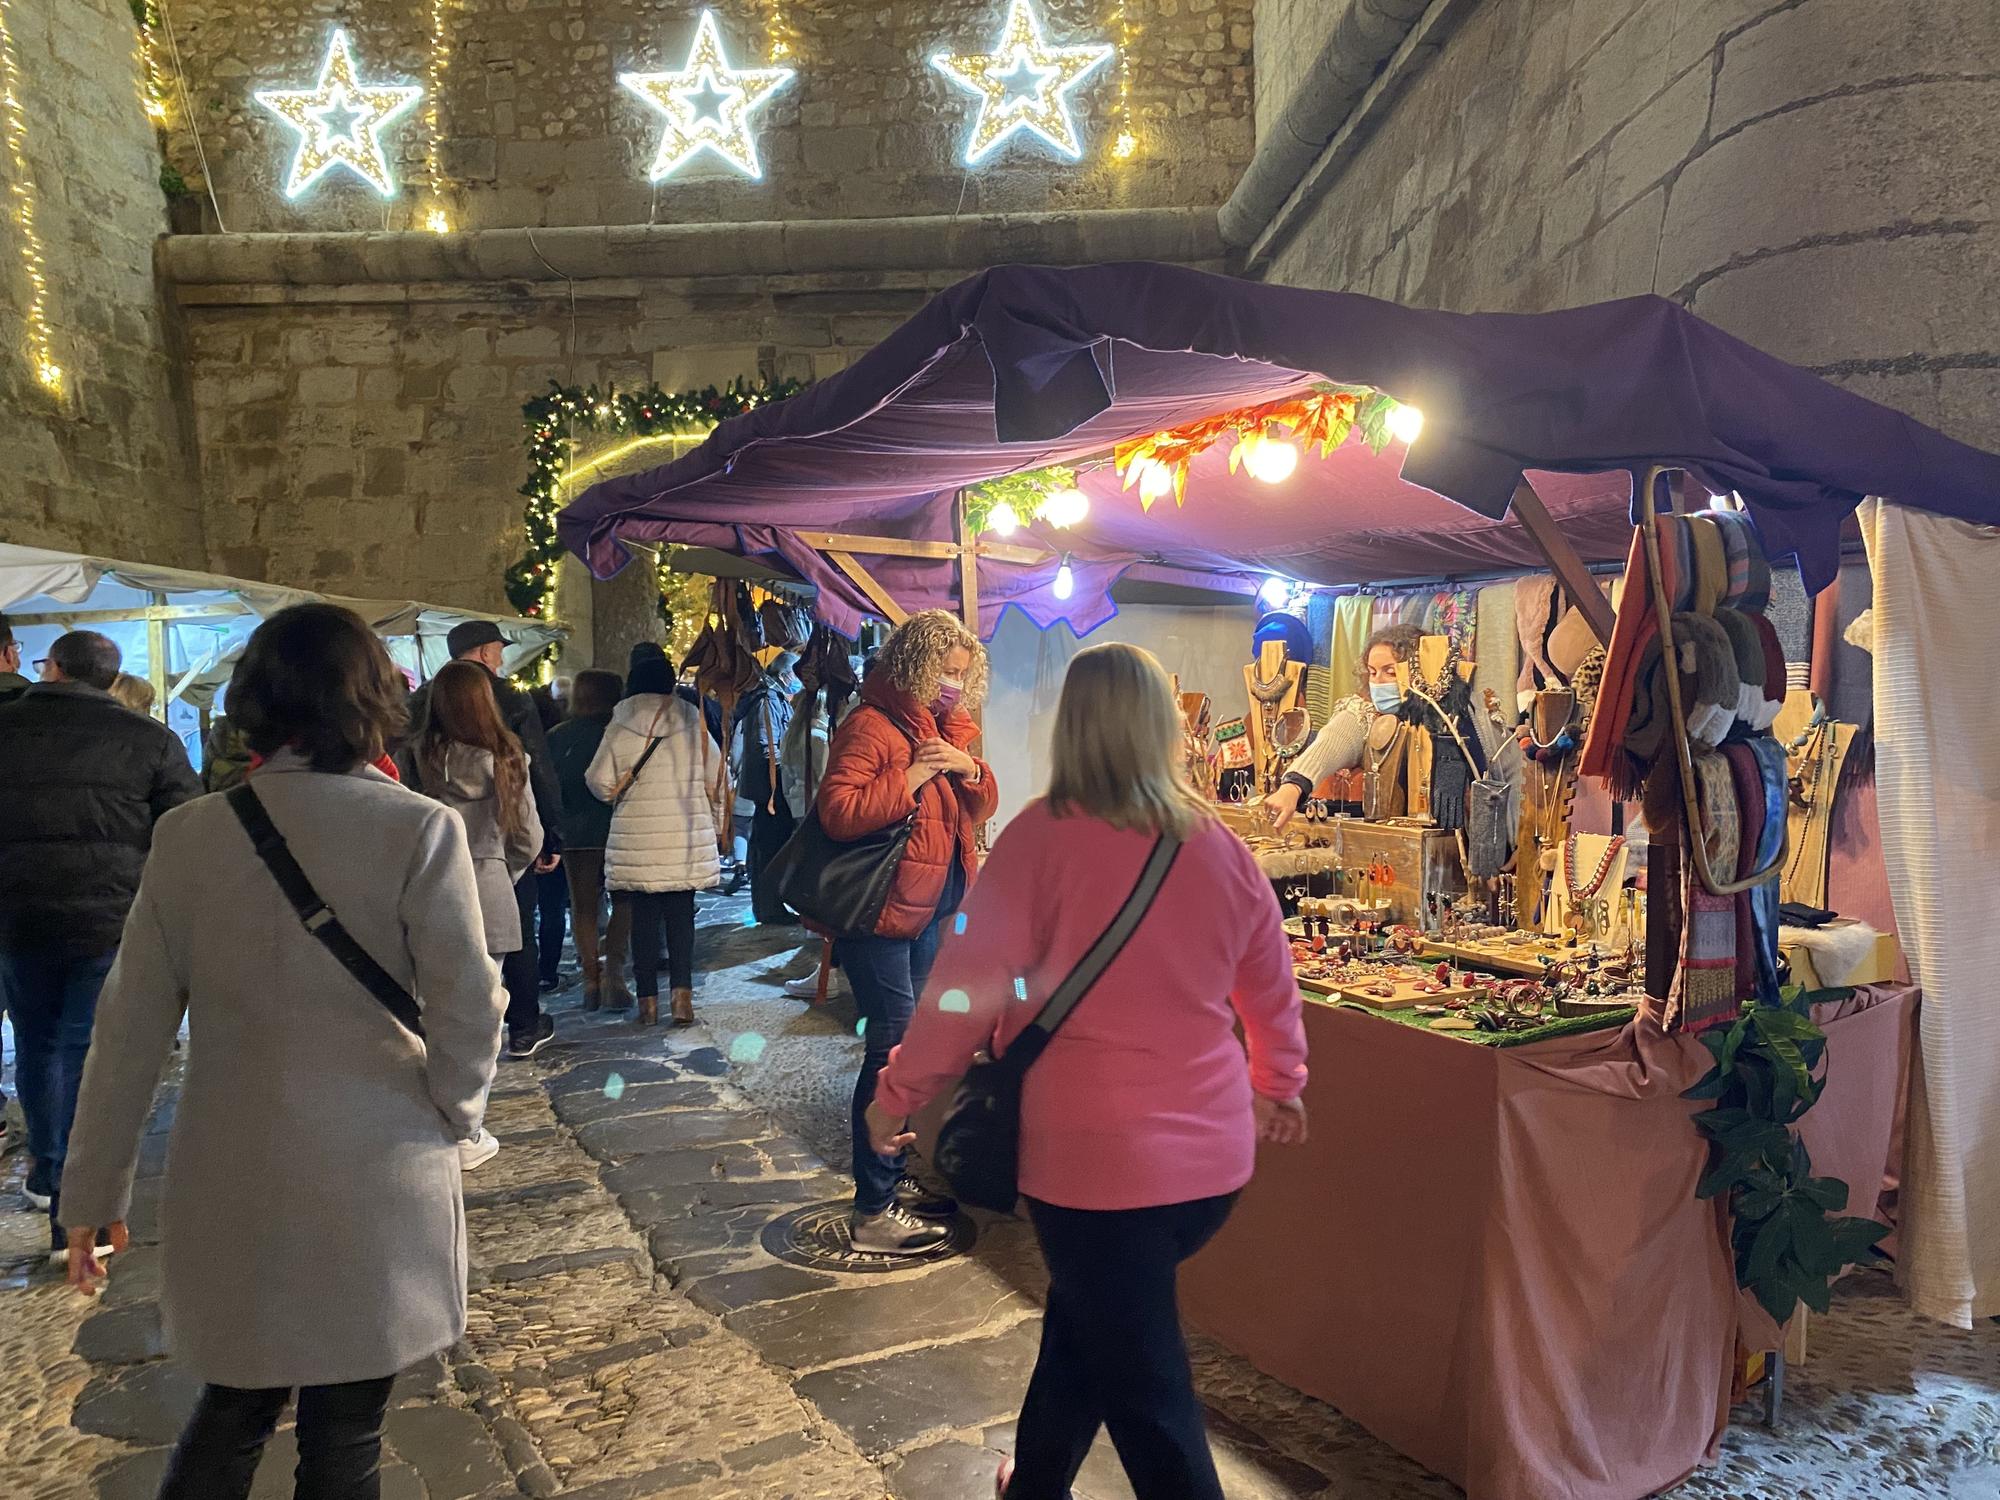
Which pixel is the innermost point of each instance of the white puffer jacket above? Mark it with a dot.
(663, 833)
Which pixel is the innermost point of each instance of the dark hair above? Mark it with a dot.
(1402, 640)
(595, 693)
(548, 707)
(86, 656)
(6, 633)
(650, 674)
(463, 711)
(315, 678)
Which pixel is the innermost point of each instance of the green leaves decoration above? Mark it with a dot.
(1768, 1072)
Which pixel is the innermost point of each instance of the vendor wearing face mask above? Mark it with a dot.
(1338, 745)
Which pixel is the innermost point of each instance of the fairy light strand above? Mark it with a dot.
(436, 218)
(1125, 144)
(41, 346)
(780, 37)
(153, 79)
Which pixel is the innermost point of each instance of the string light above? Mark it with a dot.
(153, 82)
(1124, 145)
(707, 105)
(1406, 423)
(779, 34)
(364, 108)
(1023, 84)
(1004, 521)
(1065, 583)
(41, 346)
(436, 219)
(1066, 507)
(1268, 459)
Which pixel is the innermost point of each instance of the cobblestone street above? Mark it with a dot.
(630, 1336)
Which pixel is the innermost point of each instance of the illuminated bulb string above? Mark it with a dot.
(41, 347)
(153, 91)
(436, 219)
(1125, 144)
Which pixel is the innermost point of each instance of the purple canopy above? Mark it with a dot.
(1025, 366)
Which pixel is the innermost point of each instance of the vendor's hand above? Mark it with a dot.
(1282, 1122)
(888, 1135)
(1283, 805)
(85, 1274)
(547, 863)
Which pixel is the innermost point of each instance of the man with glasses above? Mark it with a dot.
(12, 683)
(86, 780)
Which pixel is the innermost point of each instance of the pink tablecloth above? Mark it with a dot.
(1494, 1259)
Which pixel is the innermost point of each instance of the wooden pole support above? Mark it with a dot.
(1568, 566)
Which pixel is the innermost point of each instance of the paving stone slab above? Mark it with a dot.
(736, 1230)
(772, 1194)
(426, 1380)
(667, 1169)
(450, 1449)
(528, 1192)
(620, 1138)
(138, 1477)
(549, 1265)
(950, 1470)
(138, 1403)
(651, 1483)
(706, 1061)
(142, 1218)
(890, 1403)
(735, 1289)
(957, 1299)
(121, 1335)
(771, 1451)
(134, 1276)
(582, 1106)
(590, 1077)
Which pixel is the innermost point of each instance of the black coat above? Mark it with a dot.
(86, 779)
(763, 715)
(518, 712)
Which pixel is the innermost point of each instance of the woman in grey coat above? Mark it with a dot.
(313, 1233)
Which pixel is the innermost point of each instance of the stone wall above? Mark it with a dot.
(1815, 176)
(103, 464)
(358, 399)
(534, 129)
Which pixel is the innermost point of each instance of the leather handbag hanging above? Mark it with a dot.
(841, 885)
(979, 1144)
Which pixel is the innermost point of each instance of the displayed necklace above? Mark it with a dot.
(1270, 690)
(1580, 894)
(1447, 677)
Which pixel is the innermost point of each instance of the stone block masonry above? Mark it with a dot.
(1814, 176)
(534, 129)
(104, 465)
(358, 398)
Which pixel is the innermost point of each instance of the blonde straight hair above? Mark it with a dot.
(1117, 746)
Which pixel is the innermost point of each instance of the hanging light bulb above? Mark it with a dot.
(1004, 521)
(1065, 507)
(1276, 592)
(1270, 460)
(1156, 480)
(1065, 583)
(1405, 424)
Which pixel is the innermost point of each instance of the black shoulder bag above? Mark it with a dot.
(317, 916)
(840, 885)
(979, 1144)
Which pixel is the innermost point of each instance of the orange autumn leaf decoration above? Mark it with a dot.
(1322, 419)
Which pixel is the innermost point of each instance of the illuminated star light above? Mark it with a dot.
(707, 105)
(339, 121)
(1023, 84)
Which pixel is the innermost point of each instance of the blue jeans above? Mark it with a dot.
(52, 1001)
(888, 974)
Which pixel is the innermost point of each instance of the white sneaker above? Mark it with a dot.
(478, 1151)
(61, 1257)
(806, 986)
(39, 1202)
(896, 1231)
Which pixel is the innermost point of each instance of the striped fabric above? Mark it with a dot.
(1937, 636)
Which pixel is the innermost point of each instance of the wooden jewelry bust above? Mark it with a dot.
(1271, 683)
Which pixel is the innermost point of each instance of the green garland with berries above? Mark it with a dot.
(555, 422)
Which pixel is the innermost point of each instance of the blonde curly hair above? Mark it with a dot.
(912, 659)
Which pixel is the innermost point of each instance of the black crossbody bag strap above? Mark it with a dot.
(1035, 1036)
(317, 916)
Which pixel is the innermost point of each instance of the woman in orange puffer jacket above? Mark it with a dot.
(907, 746)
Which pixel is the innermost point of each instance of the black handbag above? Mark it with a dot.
(315, 914)
(979, 1145)
(840, 885)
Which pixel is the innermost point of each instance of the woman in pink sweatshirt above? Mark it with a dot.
(1140, 1122)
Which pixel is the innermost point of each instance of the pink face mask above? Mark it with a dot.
(949, 693)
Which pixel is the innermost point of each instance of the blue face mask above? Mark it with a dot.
(1388, 696)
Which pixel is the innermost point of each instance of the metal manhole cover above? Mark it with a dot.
(816, 1237)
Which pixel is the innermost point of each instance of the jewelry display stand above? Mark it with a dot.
(1593, 853)
(1271, 686)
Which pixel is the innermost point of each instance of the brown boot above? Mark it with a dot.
(649, 1010)
(684, 1007)
(593, 992)
(617, 995)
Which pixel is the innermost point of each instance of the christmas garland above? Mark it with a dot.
(556, 420)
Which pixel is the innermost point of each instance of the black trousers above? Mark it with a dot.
(657, 914)
(1112, 1352)
(517, 969)
(340, 1442)
(768, 833)
(551, 907)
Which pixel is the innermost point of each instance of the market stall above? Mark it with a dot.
(182, 631)
(1115, 421)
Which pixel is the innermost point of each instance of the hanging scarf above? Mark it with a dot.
(1704, 991)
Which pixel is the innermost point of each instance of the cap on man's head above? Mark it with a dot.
(469, 635)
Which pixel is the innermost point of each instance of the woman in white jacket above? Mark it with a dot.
(657, 767)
